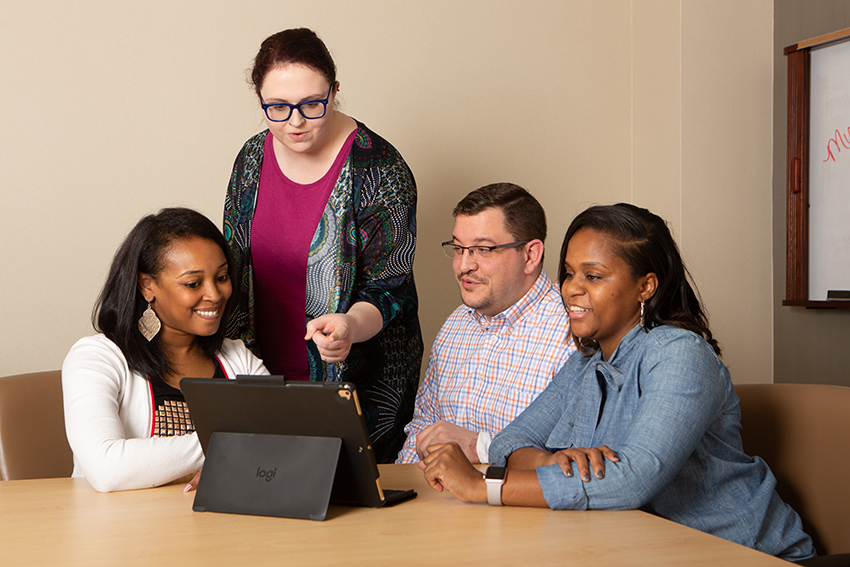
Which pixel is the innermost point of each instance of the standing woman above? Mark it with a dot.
(160, 316)
(320, 215)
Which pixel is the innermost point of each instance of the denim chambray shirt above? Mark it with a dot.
(665, 403)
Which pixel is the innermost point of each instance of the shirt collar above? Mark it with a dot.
(628, 343)
(610, 369)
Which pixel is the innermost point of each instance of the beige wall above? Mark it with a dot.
(115, 109)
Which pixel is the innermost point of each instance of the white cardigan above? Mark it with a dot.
(109, 418)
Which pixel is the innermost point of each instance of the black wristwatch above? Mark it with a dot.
(495, 478)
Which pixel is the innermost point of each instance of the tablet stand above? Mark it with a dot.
(268, 475)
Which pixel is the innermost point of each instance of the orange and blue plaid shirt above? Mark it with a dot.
(481, 374)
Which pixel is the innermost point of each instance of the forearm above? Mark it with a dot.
(408, 451)
(425, 410)
(528, 459)
(129, 464)
(522, 488)
(446, 468)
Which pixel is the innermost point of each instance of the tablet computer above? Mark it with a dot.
(269, 405)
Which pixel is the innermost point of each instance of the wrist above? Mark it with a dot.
(494, 480)
(365, 320)
(481, 491)
(353, 324)
(482, 447)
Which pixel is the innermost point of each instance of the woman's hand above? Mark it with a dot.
(581, 456)
(193, 484)
(334, 333)
(446, 467)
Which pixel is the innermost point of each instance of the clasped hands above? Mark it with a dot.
(447, 467)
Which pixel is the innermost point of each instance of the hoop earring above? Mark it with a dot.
(149, 323)
(642, 324)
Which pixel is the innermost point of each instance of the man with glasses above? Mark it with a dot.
(499, 350)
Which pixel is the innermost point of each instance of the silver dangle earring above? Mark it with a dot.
(641, 315)
(149, 323)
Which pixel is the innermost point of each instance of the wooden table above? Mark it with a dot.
(65, 522)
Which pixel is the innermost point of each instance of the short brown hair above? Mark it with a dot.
(524, 217)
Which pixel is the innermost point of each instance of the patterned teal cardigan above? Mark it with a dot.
(370, 221)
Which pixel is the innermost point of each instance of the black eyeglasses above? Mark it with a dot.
(309, 109)
(453, 250)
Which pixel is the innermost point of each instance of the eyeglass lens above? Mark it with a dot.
(453, 250)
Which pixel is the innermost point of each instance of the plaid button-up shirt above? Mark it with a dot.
(481, 374)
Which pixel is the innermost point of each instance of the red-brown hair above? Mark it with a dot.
(299, 46)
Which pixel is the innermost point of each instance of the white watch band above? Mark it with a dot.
(494, 491)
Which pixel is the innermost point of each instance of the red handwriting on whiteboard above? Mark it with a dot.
(839, 140)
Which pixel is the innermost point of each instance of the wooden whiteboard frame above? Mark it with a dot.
(797, 172)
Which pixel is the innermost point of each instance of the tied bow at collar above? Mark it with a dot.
(599, 378)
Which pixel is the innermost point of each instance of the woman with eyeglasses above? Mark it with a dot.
(320, 214)
(645, 415)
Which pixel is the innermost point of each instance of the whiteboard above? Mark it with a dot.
(829, 170)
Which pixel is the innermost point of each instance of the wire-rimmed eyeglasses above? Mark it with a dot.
(453, 250)
(309, 109)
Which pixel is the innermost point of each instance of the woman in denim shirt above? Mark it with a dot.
(647, 392)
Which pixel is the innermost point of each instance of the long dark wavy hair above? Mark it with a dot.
(643, 240)
(120, 303)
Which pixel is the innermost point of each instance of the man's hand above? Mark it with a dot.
(442, 432)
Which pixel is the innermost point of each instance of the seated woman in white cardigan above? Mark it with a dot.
(160, 318)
